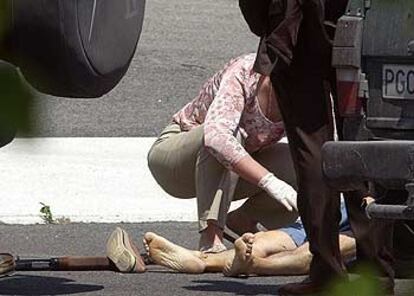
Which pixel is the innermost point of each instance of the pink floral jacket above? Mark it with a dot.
(227, 104)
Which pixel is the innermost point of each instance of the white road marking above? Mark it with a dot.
(85, 180)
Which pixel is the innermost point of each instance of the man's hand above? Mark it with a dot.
(279, 190)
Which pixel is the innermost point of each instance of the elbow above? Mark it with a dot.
(211, 145)
(211, 139)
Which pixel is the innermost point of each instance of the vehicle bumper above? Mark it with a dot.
(348, 165)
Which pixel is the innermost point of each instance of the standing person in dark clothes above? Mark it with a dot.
(295, 51)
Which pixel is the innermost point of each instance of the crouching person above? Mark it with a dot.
(223, 146)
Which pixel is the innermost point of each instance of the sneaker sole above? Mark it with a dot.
(119, 250)
(7, 266)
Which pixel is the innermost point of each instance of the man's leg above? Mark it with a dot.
(259, 245)
(170, 255)
(307, 114)
(275, 253)
(238, 261)
(165, 253)
(374, 237)
(268, 243)
(297, 261)
(266, 253)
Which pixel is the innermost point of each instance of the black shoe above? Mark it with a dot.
(306, 287)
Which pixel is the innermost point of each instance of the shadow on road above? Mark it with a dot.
(43, 285)
(235, 287)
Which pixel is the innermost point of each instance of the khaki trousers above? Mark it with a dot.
(183, 167)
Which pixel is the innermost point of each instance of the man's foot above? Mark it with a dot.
(7, 264)
(165, 253)
(242, 261)
(122, 251)
(387, 287)
(306, 287)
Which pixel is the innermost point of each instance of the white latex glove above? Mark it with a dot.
(279, 190)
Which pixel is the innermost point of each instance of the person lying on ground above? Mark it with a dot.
(228, 132)
(284, 251)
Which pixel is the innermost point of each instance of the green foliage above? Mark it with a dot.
(46, 214)
(365, 284)
(48, 218)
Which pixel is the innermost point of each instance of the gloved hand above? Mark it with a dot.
(279, 190)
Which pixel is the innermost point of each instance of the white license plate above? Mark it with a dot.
(398, 81)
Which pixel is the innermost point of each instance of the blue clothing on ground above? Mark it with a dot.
(297, 232)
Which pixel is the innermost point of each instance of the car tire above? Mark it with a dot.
(73, 48)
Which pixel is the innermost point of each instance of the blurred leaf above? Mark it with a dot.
(366, 284)
(15, 101)
(15, 95)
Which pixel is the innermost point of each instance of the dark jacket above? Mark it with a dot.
(292, 29)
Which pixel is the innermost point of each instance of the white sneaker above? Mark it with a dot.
(121, 250)
(7, 264)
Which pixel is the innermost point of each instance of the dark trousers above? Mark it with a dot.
(374, 238)
(296, 49)
(306, 109)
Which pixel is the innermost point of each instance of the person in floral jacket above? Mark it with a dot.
(224, 145)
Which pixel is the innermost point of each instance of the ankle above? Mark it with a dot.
(212, 235)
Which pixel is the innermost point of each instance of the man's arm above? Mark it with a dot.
(277, 22)
(285, 19)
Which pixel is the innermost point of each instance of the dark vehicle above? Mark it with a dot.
(374, 58)
(66, 48)
(71, 48)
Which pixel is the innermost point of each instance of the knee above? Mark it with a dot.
(156, 163)
(159, 171)
(151, 159)
(259, 236)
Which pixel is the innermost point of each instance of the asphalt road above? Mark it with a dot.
(89, 239)
(183, 42)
